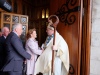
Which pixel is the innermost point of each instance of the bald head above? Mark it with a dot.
(5, 31)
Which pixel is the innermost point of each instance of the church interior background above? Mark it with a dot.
(74, 26)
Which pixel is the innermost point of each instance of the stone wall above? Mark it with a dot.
(95, 39)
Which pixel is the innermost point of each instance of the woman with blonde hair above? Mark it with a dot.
(33, 49)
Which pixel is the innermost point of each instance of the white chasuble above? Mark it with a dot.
(43, 63)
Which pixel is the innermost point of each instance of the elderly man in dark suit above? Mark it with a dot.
(15, 52)
(5, 32)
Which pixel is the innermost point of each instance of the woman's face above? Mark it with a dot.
(34, 35)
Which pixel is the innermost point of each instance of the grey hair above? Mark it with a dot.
(15, 26)
(2, 30)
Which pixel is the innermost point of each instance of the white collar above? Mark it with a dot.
(4, 36)
(15, 33)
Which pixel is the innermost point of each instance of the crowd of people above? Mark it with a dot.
(13, 54)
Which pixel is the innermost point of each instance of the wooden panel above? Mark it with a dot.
(8, 19)
(70, 28)
(40, 26)
(86, 36)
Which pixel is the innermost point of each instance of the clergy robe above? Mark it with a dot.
(43, 64)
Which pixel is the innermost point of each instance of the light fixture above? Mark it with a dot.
(47, 13)
(43, 13)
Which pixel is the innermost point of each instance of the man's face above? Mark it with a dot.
(19, 30)
(49, 31)
(6, 32)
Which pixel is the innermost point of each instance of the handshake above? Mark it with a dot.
(32, 57)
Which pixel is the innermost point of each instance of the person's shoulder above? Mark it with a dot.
(58, 35)
(2, 38)
(30, 40)
(11, 35)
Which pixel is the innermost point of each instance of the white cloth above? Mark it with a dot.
(43, 63)
(57, 66)
(33, 49)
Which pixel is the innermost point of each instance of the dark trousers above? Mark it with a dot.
(14, 73)
(3, 73)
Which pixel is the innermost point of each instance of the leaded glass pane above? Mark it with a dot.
(15, 19)
(23, 20)
(7, 18)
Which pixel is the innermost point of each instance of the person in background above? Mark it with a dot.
(15, 52)
(33, 49)
(61, 60)
(0, 33)
(5, 32)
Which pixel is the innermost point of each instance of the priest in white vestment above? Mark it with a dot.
(61, 60)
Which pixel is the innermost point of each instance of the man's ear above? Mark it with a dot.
(16, 30)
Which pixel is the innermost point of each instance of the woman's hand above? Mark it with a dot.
(42, 50)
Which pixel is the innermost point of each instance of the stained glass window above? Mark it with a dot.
(23, 20)
(7, 18)
(15, 19)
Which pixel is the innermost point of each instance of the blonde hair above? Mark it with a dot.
(30, 32)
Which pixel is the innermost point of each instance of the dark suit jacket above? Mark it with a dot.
(2, 51)
(15, 53)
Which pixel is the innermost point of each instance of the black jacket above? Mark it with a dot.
(2, 51)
